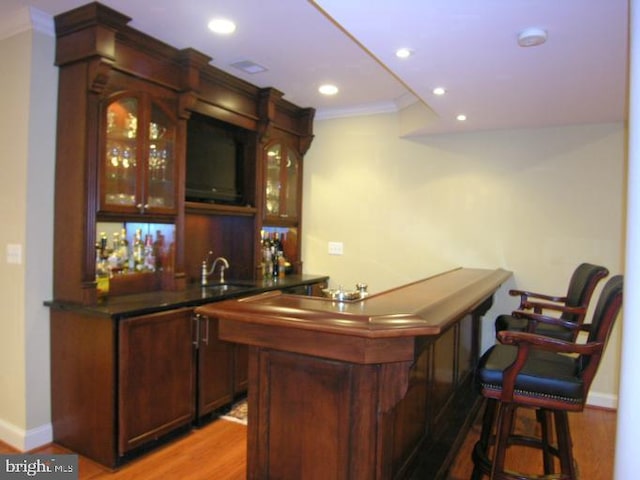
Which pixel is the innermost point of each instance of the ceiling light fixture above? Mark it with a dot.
(328, 89)
(531, 37)
(222, 26)
(461, 118)
(439, 91)
(404, 52)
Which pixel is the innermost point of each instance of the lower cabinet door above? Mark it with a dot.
(156, 376)
(215, 368)
(241, 378)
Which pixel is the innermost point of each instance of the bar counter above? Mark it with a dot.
(375, 388)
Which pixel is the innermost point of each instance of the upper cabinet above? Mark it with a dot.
(283, 184)
(138, 164)
(133, 114)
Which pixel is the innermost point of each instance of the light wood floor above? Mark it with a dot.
(593, 432)
(218, 452)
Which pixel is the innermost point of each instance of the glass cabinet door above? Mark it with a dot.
(120, 173)
(138, 168)
(160, 165)
(291, 168)
(282, 183)
(273, 181)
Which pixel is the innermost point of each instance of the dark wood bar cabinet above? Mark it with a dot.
(374, 388)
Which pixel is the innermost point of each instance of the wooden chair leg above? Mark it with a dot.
(544, 419)
(565, 446)
(503, 431)
(487, 422)
(481, 449)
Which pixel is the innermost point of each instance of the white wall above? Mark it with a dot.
(27, 157)
(536, 202)
(627, 461)
(43, 114)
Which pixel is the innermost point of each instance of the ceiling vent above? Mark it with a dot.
(247, 66)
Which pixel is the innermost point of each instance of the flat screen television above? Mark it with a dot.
(216, 154)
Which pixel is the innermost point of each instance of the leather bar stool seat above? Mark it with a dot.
(545, 375)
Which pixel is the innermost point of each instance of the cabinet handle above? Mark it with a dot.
(205, 339)
(196, 322)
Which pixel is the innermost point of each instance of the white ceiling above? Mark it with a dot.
(468, 46)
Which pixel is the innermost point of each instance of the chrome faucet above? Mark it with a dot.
(206, 272)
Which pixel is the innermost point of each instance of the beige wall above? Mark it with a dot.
(27, 143)
(536, 202)
(13, 154)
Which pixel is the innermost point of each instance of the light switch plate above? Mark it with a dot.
(336, 248)
(14, 253)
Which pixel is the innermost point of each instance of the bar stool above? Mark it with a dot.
(535, 371)
(572, 308)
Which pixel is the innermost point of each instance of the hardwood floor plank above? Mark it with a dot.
(218, 451)
(593, 433)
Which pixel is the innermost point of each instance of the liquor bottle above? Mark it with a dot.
(282, 266)
(159, 250)
(282, 259)
(124, 250)
(149, 258)
(102, 266)
(267, 258)
(115, 263)
(275, 270)
(103, 245)
(276, 243)
(138, 252)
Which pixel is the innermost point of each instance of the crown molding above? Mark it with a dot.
(358, 110)
(405, 100)
(25, 19)
(42, 22)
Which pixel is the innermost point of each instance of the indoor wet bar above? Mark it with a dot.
(372, 388)
(267, 253)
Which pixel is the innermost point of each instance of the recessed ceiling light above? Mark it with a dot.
(439, 91)
(404, 52)
(328, 89)
(223, 26)
(461, 118)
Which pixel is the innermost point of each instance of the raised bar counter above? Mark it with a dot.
(378, 388)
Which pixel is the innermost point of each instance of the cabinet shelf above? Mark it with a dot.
(283, 222)
(219, 209)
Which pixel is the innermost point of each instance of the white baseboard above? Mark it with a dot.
(25, 440)
(603, 400)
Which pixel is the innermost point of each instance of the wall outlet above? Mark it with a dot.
(336, 248)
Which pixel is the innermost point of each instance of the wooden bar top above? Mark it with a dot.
(379, 328)
(424, 307)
